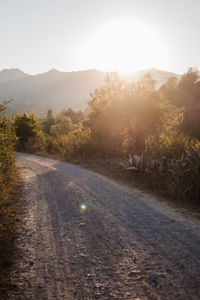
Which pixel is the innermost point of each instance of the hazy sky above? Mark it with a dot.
(37, 35)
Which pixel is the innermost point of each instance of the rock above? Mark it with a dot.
(153, 276)
(99, 285)
(133, 274)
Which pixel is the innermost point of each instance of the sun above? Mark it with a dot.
(124, 46)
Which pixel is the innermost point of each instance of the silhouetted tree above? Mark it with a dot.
(186, 94)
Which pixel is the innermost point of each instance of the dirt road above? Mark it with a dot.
(87, 237)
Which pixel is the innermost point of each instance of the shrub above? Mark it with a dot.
(7, 151)
(28, 131)
(171, 165)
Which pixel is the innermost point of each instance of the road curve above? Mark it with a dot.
(87, 237)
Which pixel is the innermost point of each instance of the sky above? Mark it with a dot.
(111, 35)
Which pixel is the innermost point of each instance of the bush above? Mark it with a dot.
(29, 132)
(76, 143)
(7, 152)
(9, 189)
(171, 164)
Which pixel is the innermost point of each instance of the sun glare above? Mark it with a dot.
(124, 46)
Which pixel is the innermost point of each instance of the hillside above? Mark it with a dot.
(159, 76)
(8, 75)
(57, 90)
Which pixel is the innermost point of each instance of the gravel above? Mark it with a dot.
(87, 237)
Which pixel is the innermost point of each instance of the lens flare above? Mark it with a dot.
(83, 207)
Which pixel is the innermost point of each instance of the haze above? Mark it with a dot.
(74, 35)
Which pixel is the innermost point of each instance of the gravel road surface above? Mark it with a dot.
(85, 236)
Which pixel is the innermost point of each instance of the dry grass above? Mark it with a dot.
(9, 219)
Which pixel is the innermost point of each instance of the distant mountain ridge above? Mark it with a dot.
(11, 74)
(159, 76)
(58, 90)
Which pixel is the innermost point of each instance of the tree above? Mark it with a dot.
(48, 121)
(126, 113)
(7, 148)
(189, 98)
(62, 126)
(103, 120)
(75, 116)
(186, 94)
(27, 127)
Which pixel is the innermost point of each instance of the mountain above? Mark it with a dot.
(52, 90)
(159, 76)
(57, 90)
(11, 74)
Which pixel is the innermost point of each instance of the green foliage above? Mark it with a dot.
(179, 178)
(9, 188)
(48, 121)
(158, 129)
(170, 165)
(62, 126)
(79, 143)
(7, 143)
(75, 116)
(122, 116)
(76, 143)
(186, 94)
(171, 145)
(7, 153)
(28, 130)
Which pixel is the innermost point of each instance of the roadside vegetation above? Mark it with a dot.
(153, 134)
(9, 192)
